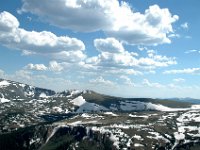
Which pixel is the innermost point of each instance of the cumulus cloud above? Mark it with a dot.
(127, 80)
(113, 17)
(37, 67)
(154, 60)
(185, 25)
(101, 81)
(149, 28)
(147, 83)
(12, 36)
(113, 54)
(69, 56)
(183, 71)
(108, 45)
(21, 75)
(112, 59)
(55, 66)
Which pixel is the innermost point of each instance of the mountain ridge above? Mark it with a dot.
(33, 118)
(50, 92)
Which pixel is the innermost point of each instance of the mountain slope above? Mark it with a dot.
(106, 100)
(36, 118)
(18, 97)
(24, 105)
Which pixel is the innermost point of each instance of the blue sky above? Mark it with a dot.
(127, 48)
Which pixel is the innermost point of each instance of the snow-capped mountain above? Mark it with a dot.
(18, 91)
(16, 96)
(86, 115)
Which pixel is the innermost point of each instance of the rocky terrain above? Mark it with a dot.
(36, 118)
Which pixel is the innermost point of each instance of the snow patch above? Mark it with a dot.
(138, 137)
(157, 136)
(85, 106)
(84, 115)
(179, 136)
(34, 141)
(4, 83)
(66, 111)
(195, 107)
(90, 107)
(111, 113)
(43, 95)
(29, 93)
(138, 116)
(22, 85)
(82, 122)
(189, 116)
(136, 105)
(138, 145)
(4, 100)
(160, 107)
(78, 101)
(75, 92)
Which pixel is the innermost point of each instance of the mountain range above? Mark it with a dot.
(38, 118)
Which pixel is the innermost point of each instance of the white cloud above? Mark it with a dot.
(69, 56)
(112, 54)
(38, 67)
(12, 36)
(55, 66)
(127, 80)
(27, 53)
(115, 56)
(110, 45)
(157, 61)
(147, 83)
(179, 80)
(174, 35)
(112, 59)
(21, 75)
(183, 71)
(149, 28)
(185, 25)
(115, 18)
(141, 48)
(77, 15)
(123, 71)
(40, 80)
(101, 81)
(8, 22)
(191, 51)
